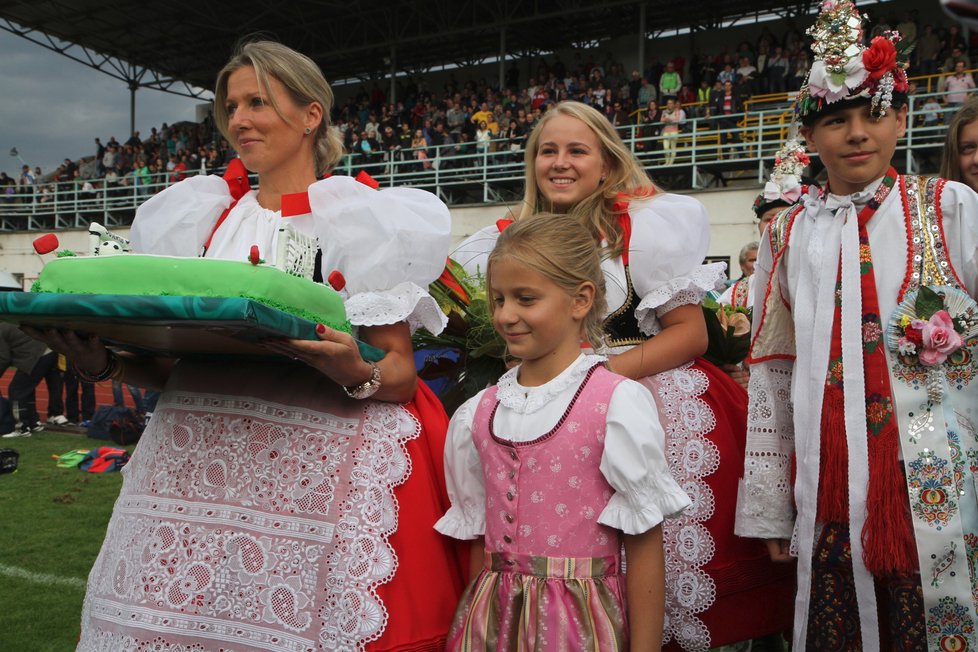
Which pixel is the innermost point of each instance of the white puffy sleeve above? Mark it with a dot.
(389, 245)
(178, 220)
(670, 239)
(466, 518)
(959, 208)
(765, 501)
(634, 464)
(473, 253)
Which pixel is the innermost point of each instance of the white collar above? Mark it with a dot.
(526, 400)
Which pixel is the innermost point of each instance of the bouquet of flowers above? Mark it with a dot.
(728, 328)
(468, 355)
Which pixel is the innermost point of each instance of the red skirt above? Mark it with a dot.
(430, 566)
(720, 588)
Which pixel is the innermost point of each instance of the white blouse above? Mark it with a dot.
(669, 241)
(633, 461)
(389, 244)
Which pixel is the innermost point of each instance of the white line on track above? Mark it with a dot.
(41, 578)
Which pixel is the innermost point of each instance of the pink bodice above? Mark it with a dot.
(543, 497)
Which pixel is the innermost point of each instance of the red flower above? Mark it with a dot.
(880, 57)
(914, 336)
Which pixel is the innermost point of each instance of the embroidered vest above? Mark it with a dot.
(543, 497)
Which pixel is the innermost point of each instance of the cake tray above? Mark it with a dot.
(173, 326)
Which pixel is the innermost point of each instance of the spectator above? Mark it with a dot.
(646, 93)
(32, 361)
(672, 119)
(727, 74)
(483, 138)
(670, 82)
(777, 71)
(957, 56)
(927, 50)
(420, 147)
(957, 85)
(727, 104)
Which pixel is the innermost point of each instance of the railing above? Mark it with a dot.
(709, 151)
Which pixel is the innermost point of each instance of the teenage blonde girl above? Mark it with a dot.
(720, 588)
(557, 466)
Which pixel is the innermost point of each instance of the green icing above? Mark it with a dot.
(144, 275)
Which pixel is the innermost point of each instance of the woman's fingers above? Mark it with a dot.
(334, 354)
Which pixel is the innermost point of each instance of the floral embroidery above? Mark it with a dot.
(879, 410)
(949, 626)
(835, 373)
(872, 332)
(932, 493)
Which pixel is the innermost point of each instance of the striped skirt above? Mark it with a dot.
(542, 604)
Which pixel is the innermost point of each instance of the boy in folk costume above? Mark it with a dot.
(862, 445)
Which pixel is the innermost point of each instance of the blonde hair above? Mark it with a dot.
(624, 179)
(951, 160)
(304, 82)
(561, 249)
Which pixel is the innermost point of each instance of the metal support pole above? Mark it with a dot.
(392, 98)
(641, 38)
(502, 57)
(133, 86)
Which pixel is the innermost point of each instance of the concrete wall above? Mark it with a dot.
(731, 226)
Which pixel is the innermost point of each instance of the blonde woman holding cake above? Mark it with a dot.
(285, 504)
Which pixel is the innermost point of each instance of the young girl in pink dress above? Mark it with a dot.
(557, 466)
(720, 589)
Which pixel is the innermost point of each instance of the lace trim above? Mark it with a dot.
(252, 521)
(765, 508)
(689, 546)
(404, 302)
(682, 291)
(527, 400)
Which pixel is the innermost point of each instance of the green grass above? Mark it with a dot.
(52, 522)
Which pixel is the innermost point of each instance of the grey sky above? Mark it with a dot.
(52, 107)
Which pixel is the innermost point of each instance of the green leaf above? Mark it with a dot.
(928, 302)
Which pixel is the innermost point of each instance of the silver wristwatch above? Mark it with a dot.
(367, 388)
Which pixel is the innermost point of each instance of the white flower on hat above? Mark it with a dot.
(835, 86)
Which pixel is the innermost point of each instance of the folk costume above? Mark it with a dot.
(863, 388)
(263, 507)
(552, 475)
(714, 580)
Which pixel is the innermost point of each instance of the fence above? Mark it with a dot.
(708, 151)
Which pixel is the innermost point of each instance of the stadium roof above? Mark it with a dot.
(179, 45)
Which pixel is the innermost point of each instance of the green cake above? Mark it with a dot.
(147, 275)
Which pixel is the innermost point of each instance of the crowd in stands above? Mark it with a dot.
(477, 116)
(428, 128)
(164, 157)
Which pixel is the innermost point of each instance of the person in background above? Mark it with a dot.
(960, 154)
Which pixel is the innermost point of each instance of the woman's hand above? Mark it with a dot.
(337, 357)
(334, 354)
(88, 354)
(681, 339)
(739, 373)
